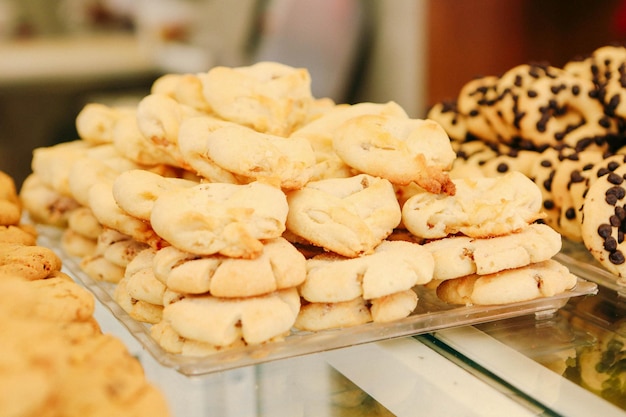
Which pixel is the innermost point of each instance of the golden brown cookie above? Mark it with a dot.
(399, 149)
(543, 279)
(349, 216)
(28, 262)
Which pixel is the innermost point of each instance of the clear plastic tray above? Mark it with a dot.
(430, 315)
(582, 263)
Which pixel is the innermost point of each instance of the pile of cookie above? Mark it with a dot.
(562, 127)
(54, 358)
(232, 207)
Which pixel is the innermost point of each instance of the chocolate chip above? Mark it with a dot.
(613, 194)
(610, 244)
(617, 257)
(614, 221)
(613, 178)
(570, 213)
(604, 230)
(548, 204)
(502, 167)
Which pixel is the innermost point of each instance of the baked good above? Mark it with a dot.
(603, 213)
(29, 262)
(315, 317)
(481, 207)
(457, 256)
(246, 153)
(45, 205)
(268, 97)
(542, 279)
(399, 149)
(394, 266)
(223, 321)
(320, 132)
(220, 218)
(279, 266)
(348, 216)
(135, 191)
(95, 122)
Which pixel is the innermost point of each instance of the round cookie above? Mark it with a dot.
(348, 216)
(481, 207)
(603, 215)
(543, 279)
(457, 256)
(399, 149)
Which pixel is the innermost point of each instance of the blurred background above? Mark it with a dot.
(58, 55)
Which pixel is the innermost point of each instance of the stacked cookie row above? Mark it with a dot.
(562, 127)
(54, 359)
(231, 207)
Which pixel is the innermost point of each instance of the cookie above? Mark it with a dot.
(140, 310)
(158, 119)
(268, 97)
(130, 142)
(223, 321)
(186, 89)
(82, 221)
(564, 175)
(248, 154)
(603, 213)
(399, 149)
(457, 256)
(538, 280)
(75, 244)
(110, 215)
(43, 204)
(394, 266)
(561, 111)
(18, 234)
(95, 122)
(316, 317)
(279, 266)
(135, 191)
(348, 216)
(448, 116)
(394, 306)
(482, 207)
(28, 262)
(52, 164)
(220, 218)
(172, 342)
(476, 102)
(320, 132)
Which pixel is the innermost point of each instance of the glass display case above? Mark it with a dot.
(566, 362)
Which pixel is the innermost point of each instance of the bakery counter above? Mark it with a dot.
(523, 366)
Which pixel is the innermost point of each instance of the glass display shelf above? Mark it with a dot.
(430, 315)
